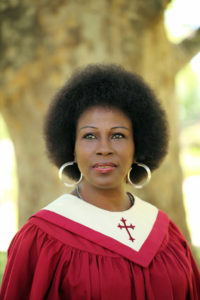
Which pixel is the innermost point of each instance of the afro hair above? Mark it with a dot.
(110, 86)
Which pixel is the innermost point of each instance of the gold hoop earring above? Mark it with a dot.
(60, 174)
(140, 186)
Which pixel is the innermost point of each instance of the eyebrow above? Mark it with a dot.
(115, 127)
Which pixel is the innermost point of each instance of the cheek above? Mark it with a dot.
(127, 153)
(82, 154)
(80, 159)
(128, 161)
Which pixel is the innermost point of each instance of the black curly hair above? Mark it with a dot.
(110, 86)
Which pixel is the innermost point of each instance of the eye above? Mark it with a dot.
(118, 135)
(89, 136)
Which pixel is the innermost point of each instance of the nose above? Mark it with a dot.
(104, 147)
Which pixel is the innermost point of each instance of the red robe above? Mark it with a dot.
(74, 250)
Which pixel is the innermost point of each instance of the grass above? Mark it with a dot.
(3, 259)
(197, 255)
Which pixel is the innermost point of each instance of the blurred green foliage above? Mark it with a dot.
(188, 93)
(3, 259)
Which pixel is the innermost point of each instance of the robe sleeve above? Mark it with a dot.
(194, 278)
(37, 263)
(22, 256)
(195, 281)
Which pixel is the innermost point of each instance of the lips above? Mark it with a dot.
(105, 167)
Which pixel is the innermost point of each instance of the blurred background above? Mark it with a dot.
(42, 42)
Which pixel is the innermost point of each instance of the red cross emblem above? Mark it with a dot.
(127, 228)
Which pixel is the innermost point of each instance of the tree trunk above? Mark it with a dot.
(36, 177)
(48, 43)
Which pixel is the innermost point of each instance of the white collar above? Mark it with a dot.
(142, 217)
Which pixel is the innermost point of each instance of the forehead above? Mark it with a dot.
(105, 115)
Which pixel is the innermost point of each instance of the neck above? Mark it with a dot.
(109, 199)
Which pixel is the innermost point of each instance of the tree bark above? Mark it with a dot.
(49, 40)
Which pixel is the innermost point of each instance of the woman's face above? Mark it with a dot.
(104, 147)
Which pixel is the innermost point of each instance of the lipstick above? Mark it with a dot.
(104, 167)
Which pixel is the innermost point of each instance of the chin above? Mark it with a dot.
(106, 185)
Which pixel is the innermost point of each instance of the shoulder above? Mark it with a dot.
(175, 249)
(176, 240)
(49, 231)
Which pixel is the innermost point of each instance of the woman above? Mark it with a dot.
(105, 129)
